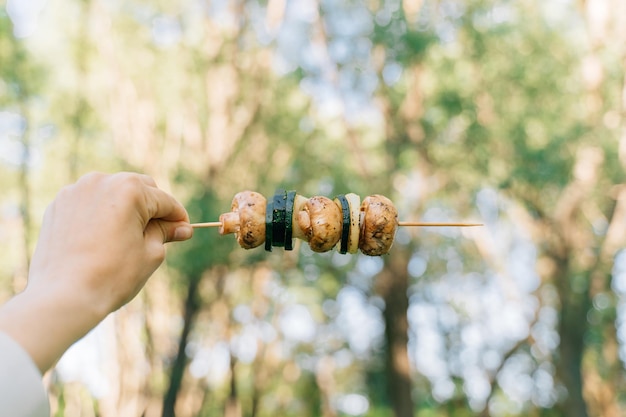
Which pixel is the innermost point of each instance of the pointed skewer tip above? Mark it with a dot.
(439, 224)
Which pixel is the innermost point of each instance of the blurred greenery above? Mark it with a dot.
(508, 113)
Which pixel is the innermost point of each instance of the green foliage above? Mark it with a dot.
(402, 42)
(488, 95)
(20, 76)
(207, 249)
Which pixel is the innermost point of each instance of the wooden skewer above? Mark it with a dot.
(426, 224)
(208, 224)
(418, 224)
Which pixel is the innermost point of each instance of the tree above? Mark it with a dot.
(507, 112)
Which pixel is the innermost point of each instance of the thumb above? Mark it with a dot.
(167, 231)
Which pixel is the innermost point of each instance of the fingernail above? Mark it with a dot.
(183, 233)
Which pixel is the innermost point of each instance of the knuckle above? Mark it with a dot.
(128, 185)
(91, 177)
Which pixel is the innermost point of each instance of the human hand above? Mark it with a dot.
(101, 239)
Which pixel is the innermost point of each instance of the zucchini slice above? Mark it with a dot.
(269, 215)
(345, 223)
(278, 218)
(289, 204)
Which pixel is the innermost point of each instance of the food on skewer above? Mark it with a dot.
(246, 219)
(320, 221)
(350, 237)
(378, 226)
(345, 222)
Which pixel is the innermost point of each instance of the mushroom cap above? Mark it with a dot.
(378, 225)
(250, 206)
(320, 220)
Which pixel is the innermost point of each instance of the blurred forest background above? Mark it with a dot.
(509, 112)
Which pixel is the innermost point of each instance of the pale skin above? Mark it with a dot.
(100, 241)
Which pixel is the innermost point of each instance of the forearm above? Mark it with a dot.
(45, 324)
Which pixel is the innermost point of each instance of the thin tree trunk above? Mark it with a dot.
(233, 405)
(25, 201)
(192, 306)
(325, 379)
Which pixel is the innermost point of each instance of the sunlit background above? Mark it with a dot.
(511, 113)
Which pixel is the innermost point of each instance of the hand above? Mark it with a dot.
(101, 239)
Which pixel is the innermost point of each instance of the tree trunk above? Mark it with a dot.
(25, 201)
(192, 305)
(232, 407)
(572, 327)
(393, 284)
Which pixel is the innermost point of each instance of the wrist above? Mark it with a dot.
(47, 321)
